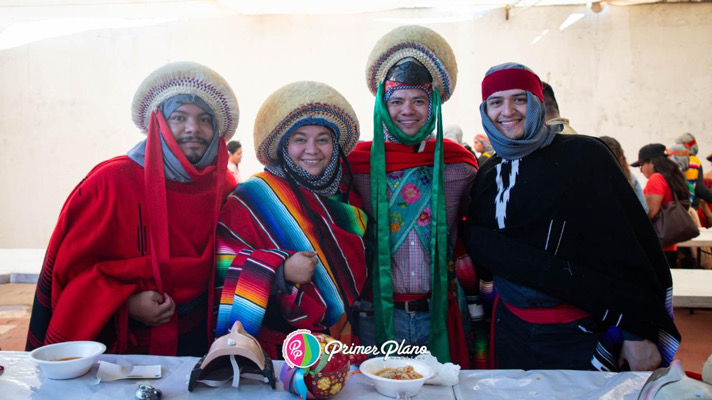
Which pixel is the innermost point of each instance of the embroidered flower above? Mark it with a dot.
(396, 174)
(395, 227)
(336, 388)
(425, 217)
(424, 180)
(324, 383)
(410, 193)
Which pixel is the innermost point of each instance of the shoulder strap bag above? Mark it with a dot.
(673, 224)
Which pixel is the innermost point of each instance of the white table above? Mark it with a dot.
(23, 380)
(691, 288)
(703, 240)
(549, 385)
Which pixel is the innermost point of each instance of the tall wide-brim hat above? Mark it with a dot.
(298, 104)
(186, 77)
(424, 45)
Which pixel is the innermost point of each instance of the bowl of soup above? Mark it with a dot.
(396, 375)
(67, 360)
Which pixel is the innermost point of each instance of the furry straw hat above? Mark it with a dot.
(186, 78)
(298, 104)
(424, 45)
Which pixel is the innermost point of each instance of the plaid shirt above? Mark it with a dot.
(411, 263)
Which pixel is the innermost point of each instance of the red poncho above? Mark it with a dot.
(101, 252)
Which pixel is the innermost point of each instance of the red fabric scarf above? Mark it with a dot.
(400, 156)
(112, 240)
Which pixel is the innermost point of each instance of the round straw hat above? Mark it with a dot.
(423, 44)
(186, 78)
(303, 103)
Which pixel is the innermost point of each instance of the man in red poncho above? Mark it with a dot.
(131, 259)
(413, 185)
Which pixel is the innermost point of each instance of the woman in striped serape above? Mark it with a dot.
(290, 250)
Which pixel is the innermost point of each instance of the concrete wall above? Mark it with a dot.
(641, 74)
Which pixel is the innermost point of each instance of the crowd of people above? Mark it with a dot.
(161, 250)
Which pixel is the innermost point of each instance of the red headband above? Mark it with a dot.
(690, 143)
(512, 78)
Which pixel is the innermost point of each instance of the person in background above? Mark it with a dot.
(130, 262)
(234, 147)
(483, 146)
(620, 156)
(291, 253)
(694, 174)
(414, 186)
(581, 278)
(704, 213)
(665, 183)
(552, 111)
(454, 133)
(700, 195)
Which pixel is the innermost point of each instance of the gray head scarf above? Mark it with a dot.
(536, 134)
(173, 169)
(681, 155)
(689, 141)
(485, 142)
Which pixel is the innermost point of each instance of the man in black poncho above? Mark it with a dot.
(581, 279)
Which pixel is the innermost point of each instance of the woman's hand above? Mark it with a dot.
(641, 355)
(151, 308)
(299, 267)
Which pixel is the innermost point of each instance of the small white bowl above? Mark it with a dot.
(391, 387)
(51, 357)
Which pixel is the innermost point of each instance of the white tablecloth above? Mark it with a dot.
(22, 379)
(549, 385)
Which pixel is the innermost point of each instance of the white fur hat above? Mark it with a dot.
(186, 77)
(420, 43)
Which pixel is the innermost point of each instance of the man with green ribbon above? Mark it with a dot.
(413, 184)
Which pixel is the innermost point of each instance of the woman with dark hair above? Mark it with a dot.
(620, 156)
(665, 184)
(290, 248)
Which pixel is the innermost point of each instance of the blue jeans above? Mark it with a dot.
(413, 327)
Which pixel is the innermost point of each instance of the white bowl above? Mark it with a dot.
(391, 387)
(50, 358)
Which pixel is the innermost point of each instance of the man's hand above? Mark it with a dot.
(642, 355)
(151, 308)
(299, 267)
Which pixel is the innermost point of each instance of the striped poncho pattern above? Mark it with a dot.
(261, 225)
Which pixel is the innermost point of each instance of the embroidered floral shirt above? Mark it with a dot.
(411, 262)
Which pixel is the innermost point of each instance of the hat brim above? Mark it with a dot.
(420, 43)
(290, 105)
(186, 77)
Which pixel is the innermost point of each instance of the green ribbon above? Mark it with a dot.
(382, 279)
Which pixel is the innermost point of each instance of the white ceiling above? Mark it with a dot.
(28, 10)
(26, 21)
